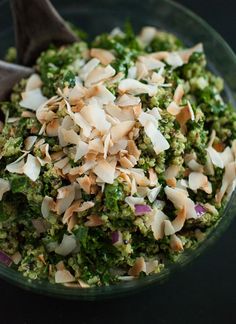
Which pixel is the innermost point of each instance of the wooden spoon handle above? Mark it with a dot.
(10, 74)
(37, 24)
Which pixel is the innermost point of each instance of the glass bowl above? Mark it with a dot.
(102, 15)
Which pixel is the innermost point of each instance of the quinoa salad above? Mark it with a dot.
(116, 155)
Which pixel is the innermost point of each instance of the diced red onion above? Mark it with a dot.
(116, 237)
(200, 210)
(142, 209)
(5, 259)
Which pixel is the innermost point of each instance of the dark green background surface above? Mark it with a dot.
(205, 292)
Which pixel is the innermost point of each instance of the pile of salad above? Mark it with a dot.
(116, 156)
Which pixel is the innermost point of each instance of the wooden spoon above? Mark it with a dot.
(10, 74)
(37, 25)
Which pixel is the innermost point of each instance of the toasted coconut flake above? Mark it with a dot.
(168, 228)
(126, 163)
(141, 71)
(150, 62)
(155, 113)
(174, 59)
(64, 198)
(67, 122)
(60, 265)
(187, 53)
(227, 156)
(57, 156)
(33, 82)
(144, 118)
(157, 79)
(76, 94)
(179, 220)
(29, 142)
(70, 136)
(162, 55)
(120, 145)
(32, 99)
(139, 266)
(68, 244)
(137, 110)
(104, 56)
(95, 116)
(27, 114)
(171, 182)
(211, 209)
(118, 114)
(133, 150)
(140, 177)
(135, 87)
(152, 177)
(120, 130)
(195, 166)
(233, 148)
(159, 142)
(153, 193)
(52, 128)
(132, 201)
(47, 206)
(81, 122)
(106, 144)
(156, 221)
(228, 178)
(176, 243)
(173, 109)
(32, 167)
(151, 266)
(215, 157)
(76, 207)
(96, 145)
(4, 187)
(102, 95)
(178, 95)
(133, 187)
(183, 117)
(105, 171)
(177, 196)
(81, 150)
(86, 167)
(142, 191)
(99, 74)
(88, 68)
(171, 172)
(132, 71)
(127, 100)
(62, 163)
(190, 209)
(45, 152)
(190, 109)
(63, 276)
(197, 181)
(16, 166)
(147, 35)
(85, 183)
(94, 221)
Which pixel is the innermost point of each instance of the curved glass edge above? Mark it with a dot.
(188, 256)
